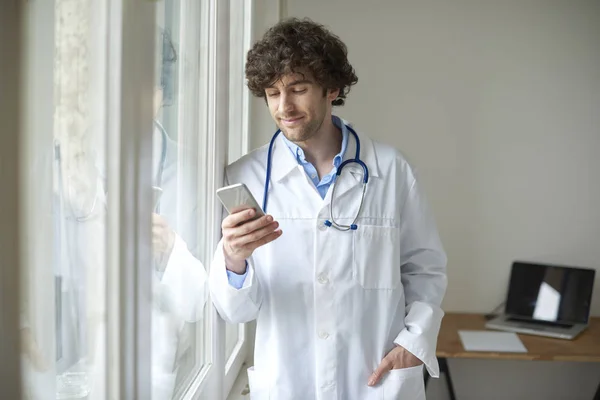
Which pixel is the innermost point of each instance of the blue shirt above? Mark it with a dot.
(237, 281)
(322, 185)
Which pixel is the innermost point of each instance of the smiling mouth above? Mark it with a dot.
(290, 121)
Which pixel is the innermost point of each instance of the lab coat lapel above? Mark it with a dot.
(289, 177)
(283, 161)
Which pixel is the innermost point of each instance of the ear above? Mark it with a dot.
(332, 94)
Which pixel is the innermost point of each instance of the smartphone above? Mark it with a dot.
(156, 194)
(238, 197)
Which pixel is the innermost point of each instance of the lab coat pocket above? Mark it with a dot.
(405, 383)
(259, 389)
(376, 257)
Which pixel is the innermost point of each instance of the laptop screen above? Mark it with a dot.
(550, 293)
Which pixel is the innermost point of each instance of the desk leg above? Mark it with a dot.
(446, 369)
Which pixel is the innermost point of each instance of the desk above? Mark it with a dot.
(584, 348)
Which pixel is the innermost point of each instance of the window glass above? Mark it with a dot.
(180, 281)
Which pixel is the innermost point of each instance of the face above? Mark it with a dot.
(299, 105)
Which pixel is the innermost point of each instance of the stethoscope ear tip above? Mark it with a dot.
(353, 227)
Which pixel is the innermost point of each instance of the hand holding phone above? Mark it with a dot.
(246, 227)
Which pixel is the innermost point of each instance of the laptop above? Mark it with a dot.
(547, 300)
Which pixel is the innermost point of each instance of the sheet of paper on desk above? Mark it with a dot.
(492, 341)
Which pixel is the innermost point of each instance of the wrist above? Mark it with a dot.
(235, 266)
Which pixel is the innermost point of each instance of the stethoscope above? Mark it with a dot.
(331, 221)
(163, 158)
(163, 152)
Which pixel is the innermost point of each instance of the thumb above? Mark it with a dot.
(383, 368)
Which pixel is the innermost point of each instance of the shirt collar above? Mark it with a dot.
(337, 160)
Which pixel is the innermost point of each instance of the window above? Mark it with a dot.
(142, 107)
(180, 320)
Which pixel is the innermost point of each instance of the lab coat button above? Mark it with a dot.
(323, 335)
(322, 279)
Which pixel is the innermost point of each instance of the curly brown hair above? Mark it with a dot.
(295, 44)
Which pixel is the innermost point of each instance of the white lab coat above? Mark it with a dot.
(330, 305)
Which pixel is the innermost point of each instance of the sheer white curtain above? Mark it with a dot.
(64, 282)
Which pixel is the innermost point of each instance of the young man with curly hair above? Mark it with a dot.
(345, 280)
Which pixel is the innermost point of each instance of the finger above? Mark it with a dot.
(243, 241)
(233, 220)
(266, 239)
(247, 228)
(252, 226)
(384, 367)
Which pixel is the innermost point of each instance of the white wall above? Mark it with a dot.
(498, 105)
(265, 13)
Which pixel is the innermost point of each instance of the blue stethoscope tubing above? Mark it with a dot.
(331, 221)
(163, 152)
(163, 158)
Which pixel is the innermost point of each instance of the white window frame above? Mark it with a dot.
(130, 112)
(213, 124)
(238, 110)
(218, 128)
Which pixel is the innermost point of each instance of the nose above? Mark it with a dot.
(285, 104)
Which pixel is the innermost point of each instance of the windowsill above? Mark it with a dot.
(239, 391)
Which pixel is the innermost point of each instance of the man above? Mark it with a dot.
(341, 314)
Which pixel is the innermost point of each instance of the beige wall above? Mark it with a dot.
(265, 13)
(497, 104)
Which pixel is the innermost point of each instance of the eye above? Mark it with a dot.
(272, 94)
(300, 91)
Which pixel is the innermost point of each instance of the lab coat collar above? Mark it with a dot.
(283, 161)
(367, 152)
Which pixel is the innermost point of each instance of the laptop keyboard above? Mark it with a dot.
(539, 325)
